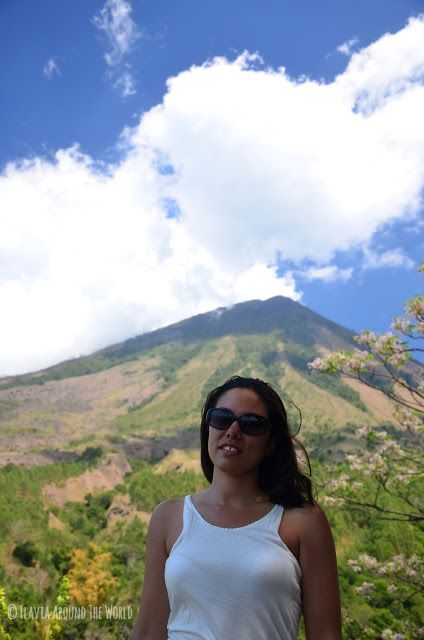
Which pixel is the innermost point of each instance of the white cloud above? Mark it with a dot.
(89, 259)
(275, 164)
(114, 19)
(51, 69)
(329, 273)
(346, 47)
(263, 165)
(392, 258)
(120, 29)
(386, 71)
(126, 83)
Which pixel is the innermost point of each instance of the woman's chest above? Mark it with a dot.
(228, 519)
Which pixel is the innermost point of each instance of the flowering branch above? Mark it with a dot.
(384, 480)
(385, 355)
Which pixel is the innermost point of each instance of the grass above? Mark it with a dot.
(177, 404)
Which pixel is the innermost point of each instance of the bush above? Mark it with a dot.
(26, 553)
(91, 454)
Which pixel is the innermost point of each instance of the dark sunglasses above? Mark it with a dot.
(250, 423)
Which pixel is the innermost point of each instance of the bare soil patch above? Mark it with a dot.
(107, 476)
(375, 400)
(55, 523)
(52, 414)
(178, 460)
(122, 509)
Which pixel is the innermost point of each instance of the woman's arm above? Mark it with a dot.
(153, 615)
(320, 585)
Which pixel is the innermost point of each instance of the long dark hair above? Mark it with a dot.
(279, 475)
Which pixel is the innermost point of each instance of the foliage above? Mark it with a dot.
(21, 501)
(148, 489)
(299, 356)
(170, 405)
(127, 544)
(386, 481)
(50, 628)
(91, 455)
(380, 364)
(3, 613)
(174, 356)
(90, 577)
(26, 553)
(394, 468)
(392, 461)
(90, 516)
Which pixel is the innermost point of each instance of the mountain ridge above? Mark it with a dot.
(153, 385)
(231, 321)
(243, 318)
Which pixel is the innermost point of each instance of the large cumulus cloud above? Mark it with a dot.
(258, 166)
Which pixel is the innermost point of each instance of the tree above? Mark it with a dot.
(386, 480)
(91, 579)
(3, 614)
(26, 553)
(381, 366)
(51, 627)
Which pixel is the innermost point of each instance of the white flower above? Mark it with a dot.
(368, 561)
(363, 431)
(388, 634)
(365, 589)
(401, 324)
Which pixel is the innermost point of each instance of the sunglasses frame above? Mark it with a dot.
(262, 420)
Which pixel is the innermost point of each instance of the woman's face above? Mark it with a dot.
(249, 450)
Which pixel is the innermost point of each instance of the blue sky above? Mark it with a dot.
(162, 158)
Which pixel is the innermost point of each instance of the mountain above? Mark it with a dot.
(89, 447)
(151, 387)
(296, 322)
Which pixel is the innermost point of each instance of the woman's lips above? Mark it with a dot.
(230, 450)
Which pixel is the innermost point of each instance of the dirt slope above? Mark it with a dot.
(105, 477)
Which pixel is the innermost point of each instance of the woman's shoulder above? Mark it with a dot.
(299, 523)
(167, 519)
(306, 516)
(166, 509)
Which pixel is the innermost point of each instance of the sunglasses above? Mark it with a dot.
(250, 423)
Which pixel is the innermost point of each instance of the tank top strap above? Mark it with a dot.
(275, 516)
(271, 521)
(187, 512)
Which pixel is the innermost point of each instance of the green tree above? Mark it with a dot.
(3, 614)
(51, 627)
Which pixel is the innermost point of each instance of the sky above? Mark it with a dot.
(161, 158)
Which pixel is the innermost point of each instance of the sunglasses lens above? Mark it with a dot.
(219, 419)
(250, 423)
(253, 425)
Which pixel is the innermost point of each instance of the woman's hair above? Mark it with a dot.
(279, 475)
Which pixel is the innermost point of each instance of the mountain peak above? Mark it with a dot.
(295, 322)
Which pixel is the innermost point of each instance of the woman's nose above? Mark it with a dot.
(234, 428)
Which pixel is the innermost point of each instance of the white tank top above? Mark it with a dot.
(232, 584)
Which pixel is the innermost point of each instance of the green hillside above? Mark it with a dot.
(155, 383)
(90, 446)
(295, 322)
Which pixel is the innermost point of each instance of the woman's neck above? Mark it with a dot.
(238, 492)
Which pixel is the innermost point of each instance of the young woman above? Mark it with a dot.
(244, 558)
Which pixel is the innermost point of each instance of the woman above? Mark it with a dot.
(244, 558)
